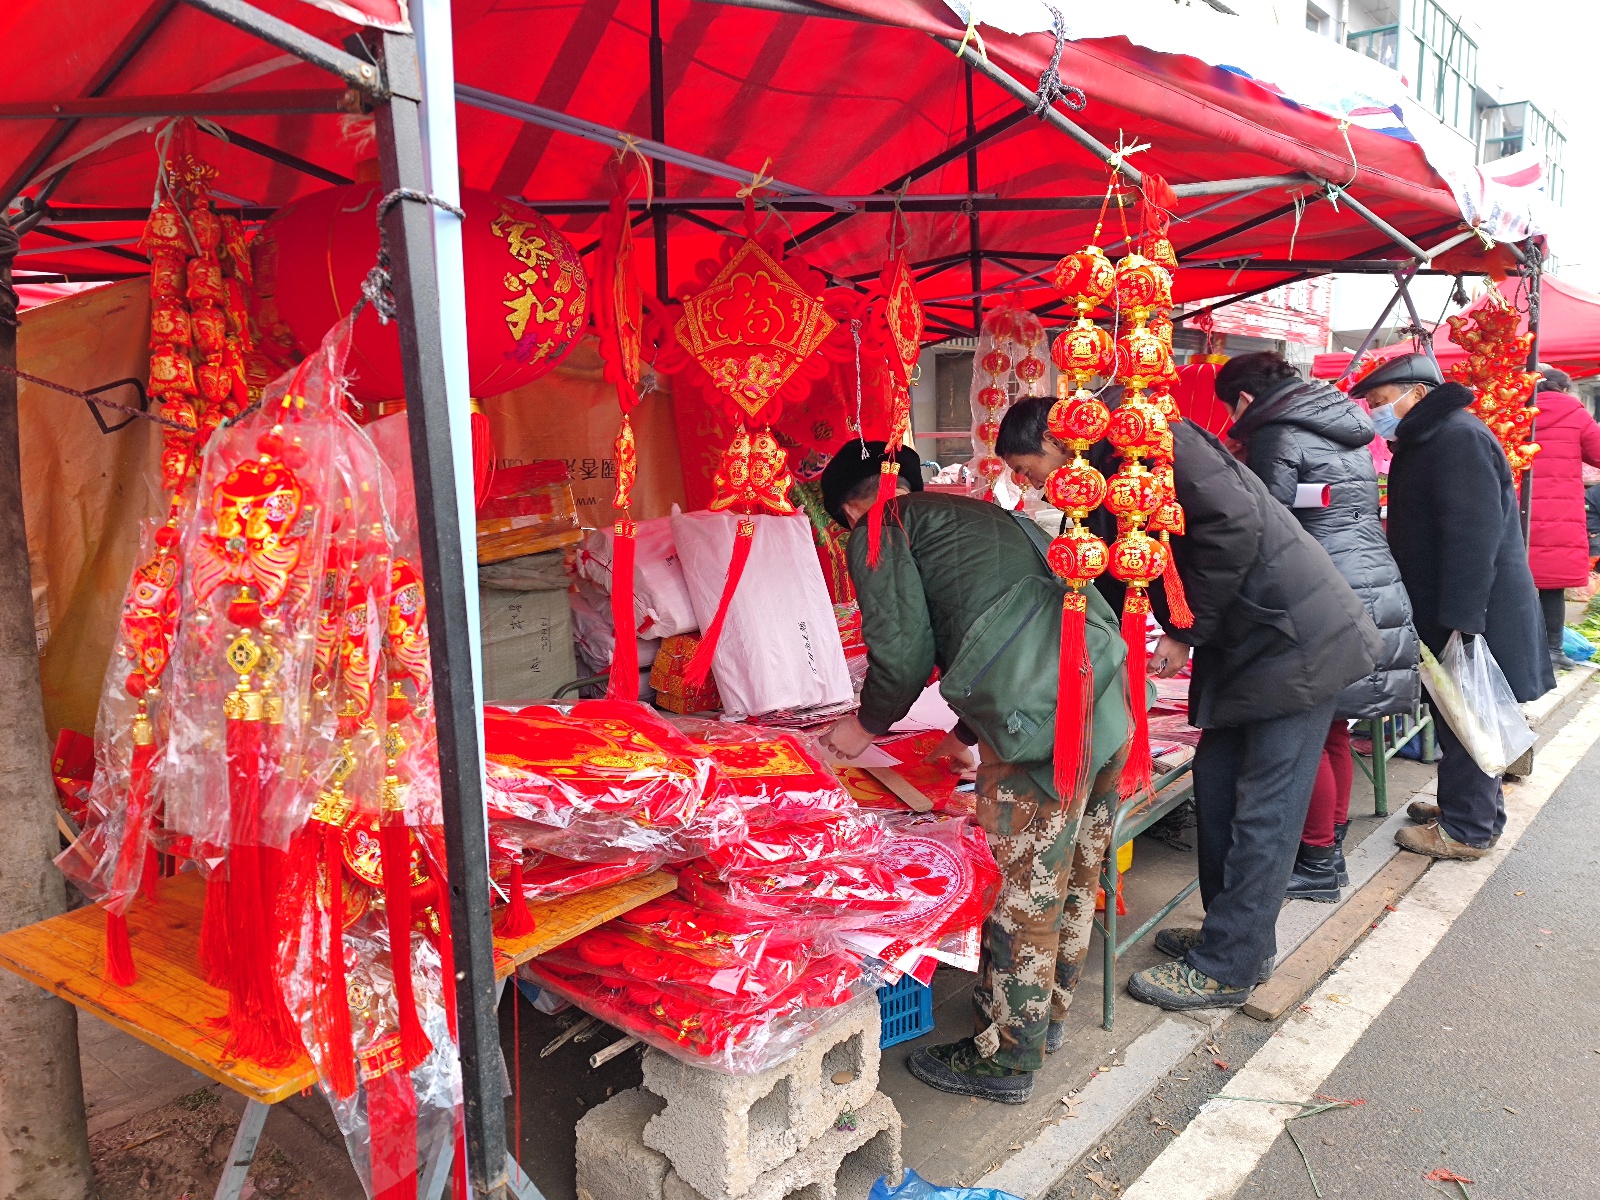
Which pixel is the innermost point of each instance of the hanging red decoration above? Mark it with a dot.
(1496, 371)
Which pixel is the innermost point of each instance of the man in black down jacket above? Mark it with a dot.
(1277, 635)
(1299, 434)
(1456, 532)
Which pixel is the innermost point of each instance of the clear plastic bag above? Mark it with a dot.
(1472, 695)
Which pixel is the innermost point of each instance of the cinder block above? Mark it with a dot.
(613, 1161)
(841, 1164)
(722, 1131)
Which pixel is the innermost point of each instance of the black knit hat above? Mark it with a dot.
(847, 468)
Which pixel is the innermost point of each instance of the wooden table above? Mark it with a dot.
(173, 1008)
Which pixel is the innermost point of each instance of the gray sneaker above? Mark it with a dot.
(1178, 940)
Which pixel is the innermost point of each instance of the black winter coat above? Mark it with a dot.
(1312, 433)
(1456, 533)
(1276, 628)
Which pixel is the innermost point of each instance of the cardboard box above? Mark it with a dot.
(529, 509)
(527, 645)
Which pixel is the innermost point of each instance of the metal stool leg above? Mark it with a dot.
(243, 1152)
(1380, 769)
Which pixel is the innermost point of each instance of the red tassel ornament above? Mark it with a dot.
(1074, 699)
(483, 453)
(518, 921)
(394, 840)
(888, 484)
(392, 1119)
(624, 680)
(133, 861)
(1177, 599)
(215, 954)
(1136, 772)
(700, 665)
(119, 953)
(341, 1058)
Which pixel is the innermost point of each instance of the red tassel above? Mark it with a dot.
(518, 920)
(624, 683)
(1177, 600)
(150, 888)
(260, 1024)
(392, 1120)
(888, 484)
(699, 667)
(1136, 772)
(214, 952)
(482, 455)
(341, 1054)
(1074, 700)
(395, 845)
(119, 971)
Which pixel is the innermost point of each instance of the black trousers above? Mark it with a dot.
(1553, 604)
(1252, 787)
(1472, 806)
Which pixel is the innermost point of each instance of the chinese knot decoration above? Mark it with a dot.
(895, 322)
(1005, 367)
(750, 329)
(1141, 494)
(1495, 369)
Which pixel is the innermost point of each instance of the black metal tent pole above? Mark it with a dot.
(1400, 281)
(1535, 277)
(658, 131)
(974, 228)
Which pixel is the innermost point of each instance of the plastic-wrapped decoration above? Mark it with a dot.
(780, 775)
(606, 781)
(1009, 363)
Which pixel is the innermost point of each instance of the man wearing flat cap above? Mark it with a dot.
(1456, 533)
(962, 585)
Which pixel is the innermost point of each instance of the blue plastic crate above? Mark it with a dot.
(907, 1009)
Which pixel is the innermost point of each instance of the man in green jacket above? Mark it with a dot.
(962, 585)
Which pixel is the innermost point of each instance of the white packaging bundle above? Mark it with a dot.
(661, 601)
(593, 633)
(780, 645)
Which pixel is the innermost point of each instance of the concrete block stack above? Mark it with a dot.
(814, 1127)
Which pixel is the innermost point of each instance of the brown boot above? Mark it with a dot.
(1432, 840)
(1422, 812)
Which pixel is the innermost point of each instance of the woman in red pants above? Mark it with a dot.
(1308, 444)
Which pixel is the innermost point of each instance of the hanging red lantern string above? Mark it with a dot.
(1496, 371)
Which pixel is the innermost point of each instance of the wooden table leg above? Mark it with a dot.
(243, 1152)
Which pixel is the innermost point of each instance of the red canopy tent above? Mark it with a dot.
(1569, 331)
(843, 112)
(839, 111)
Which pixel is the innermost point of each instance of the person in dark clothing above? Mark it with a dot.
(1456, 534)
(1277, 634)
(1591, 509)
(963, 586)
(1299, 436)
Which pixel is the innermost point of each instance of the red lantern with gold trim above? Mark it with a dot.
(527, 296)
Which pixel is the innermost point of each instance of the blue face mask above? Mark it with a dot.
(1385, 422)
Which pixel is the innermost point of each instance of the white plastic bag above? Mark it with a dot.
(780, 646)
(1471, 693)
(661, 600)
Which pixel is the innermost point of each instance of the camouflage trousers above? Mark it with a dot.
(1036, 940)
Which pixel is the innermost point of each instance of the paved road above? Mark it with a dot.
(1488, 1062)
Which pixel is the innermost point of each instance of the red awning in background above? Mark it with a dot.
(1569, 331)
(843, 107)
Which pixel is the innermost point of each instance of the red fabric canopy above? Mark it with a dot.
(843, 107)
(1569, 331)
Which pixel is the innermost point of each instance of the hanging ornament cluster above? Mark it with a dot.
(895, 321)
(297, 763)
(1495, 369)
(199, 302)
(1007, 365)
(1141, 494)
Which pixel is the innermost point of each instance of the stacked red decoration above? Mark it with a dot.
(1495, 369)
(1005, 367)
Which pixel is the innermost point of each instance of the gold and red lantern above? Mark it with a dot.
(1495, 369)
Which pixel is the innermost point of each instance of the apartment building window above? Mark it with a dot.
(1512, 128)
(1437, 59)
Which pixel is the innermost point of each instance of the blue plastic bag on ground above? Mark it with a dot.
(914, 1187)
(1575, 646)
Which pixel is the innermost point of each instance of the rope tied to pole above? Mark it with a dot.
(1050, 87)
(377, 289)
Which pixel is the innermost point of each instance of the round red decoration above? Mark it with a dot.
(1141, 284)
(1141, 357)
(1132, 493)
(1080, 420)
(527, 294)
(1138, 559)
(1078, 556)
(991, 468)
(993, 397)
(997, 362)
(1085, 278)
(1076, 488)
(1030, 369)
(1083, 350)
(1135, 426)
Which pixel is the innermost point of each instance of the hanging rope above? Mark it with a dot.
(1050, 87)
(127, 409)
(377, 289)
